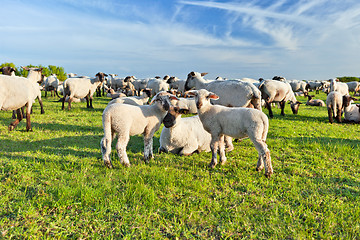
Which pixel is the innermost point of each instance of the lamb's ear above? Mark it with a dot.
(213, 96)
(203, 74)
(183, 111)
(191, 92)
(192, 74)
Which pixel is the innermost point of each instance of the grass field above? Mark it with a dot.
(53, 183)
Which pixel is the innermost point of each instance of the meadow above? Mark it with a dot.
(53, 183)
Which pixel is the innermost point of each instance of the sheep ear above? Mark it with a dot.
(203, 74)
(192, 74)
(213, 96)
(191, 93)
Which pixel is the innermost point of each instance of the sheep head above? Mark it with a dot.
(202, 97)
(189, 84)
(173, 114)
(163, 99)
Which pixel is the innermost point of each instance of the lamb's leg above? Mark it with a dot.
(28, 123)
(63, 102)
(57, 94)
(264, 156)
(105, 145)
(222, 150)
(330, 114)
(70, 100)
(338, 115)
(148, 147)
(16, 122)
(214, 145)
(87, 101)
(41, 105)
(121, 149)
(228, 144)
(91, 98)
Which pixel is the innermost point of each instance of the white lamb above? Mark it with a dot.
(236, 122)
(334, 104)
(340, 87)
(134, 100)
(82, 87)
(157, 85)
(127, 120)
(187, 103)
(351, 111)
(51, 84)
(232, 93)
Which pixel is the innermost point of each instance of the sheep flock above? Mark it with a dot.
(221, 109)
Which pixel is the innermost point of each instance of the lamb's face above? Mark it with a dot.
(101, 76)
(202, 97)
(172, 115)
(163, 99)
(190, 81)
(295, 107)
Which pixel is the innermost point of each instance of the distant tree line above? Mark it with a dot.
(47, 71)
(348, 79)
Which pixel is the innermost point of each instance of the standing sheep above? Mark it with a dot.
(277, 91)
(334, 104)
(82, 87)
(236, 122)
(16, 92)
(232, 93)
(127, 120)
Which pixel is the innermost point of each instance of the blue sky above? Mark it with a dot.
(312, 39)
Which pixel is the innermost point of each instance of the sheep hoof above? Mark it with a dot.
(108, 164)
(258, 169)
(42, 112)
(212, 165)
(268, 175)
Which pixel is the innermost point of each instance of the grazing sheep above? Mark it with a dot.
(354, 86)
(16, 92)
(135, 100)
(351, 111)
(334, 104)
(82, 87)
(277, 91)
(51, 84)
(316, 85)
(315, 102)
(128, 120)
(297, 85)
(232, 93)
(340, 87)
(237, 122)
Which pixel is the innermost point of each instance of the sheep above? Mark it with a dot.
(135, 100)
(334, 104)
(316, 85)
(82, 87)
(127, 120)
(7, 70)
(140, 84)
(157, 85)
(315, 102)
(237, 122)
(351, 111)
(232, 93)
(297, 85)
(51, 84)
(340, 87)
(16, 92)
(111, 93)
(71, 75)
(176, 83)
(187, 103)
(354, 86)
(277, 91)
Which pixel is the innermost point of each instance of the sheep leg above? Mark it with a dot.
(228, 143)
(330, 114)
(57, 94)
(222, 150)
(148, 148)
(17, 120)
(28, 123)
(41, 105)
(63, 102)
(264, 159)
(70, 100)
(45, 93)
(91, 98)
(282, 106)
(13, 114)
(214, 145)
(338, 115)
(105, 145)
(121, 150)
(268, 106)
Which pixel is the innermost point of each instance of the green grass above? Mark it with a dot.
(53, 183)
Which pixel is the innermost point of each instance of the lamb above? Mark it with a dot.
(127, 120)
(237, 122)
(232, 93)
(51, 84)
(297, 85)
(157, 85)
(354, 86)
(351, 111)
(334, 104)
(135, 100)
(314, 102)
(277, 91)
(140, 84)
(340, 87)
(176, 83)
(111, 93)
(187, 103)
(16, 92)
(82, 87)
(316, 85)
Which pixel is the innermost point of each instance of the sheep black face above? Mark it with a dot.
(172, 115)
(101, 76)
(295, 107)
